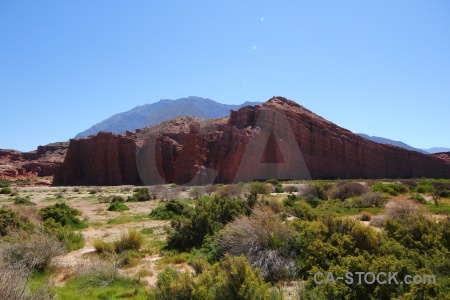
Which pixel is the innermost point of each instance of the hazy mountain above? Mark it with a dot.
(437, 150)
(163, 110)
(382, 140)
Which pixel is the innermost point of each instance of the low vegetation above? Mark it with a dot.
(260, 240)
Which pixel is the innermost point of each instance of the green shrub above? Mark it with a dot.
(231, 279)
(425, 186)
(322, 190)
(393, 189)
(303, 211)
(8, 220)
(4, 183)
(418, 197)
(63, 214)
(23, 201)
(207, 218)
(276, 184)
(290, 200)
(273, 181)
(140, 194)
(169, 210)
(444, 194)
(259, 188)
(118, 206)
(5, 190)
(72, 240)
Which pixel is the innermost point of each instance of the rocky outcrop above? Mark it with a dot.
(276, 139)
(44, 161)
(105, 159)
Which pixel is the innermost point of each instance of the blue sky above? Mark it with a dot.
(377, 67)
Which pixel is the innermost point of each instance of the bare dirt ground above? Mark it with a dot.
(104, 225)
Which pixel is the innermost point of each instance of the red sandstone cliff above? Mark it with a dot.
(278, 139)
(44, 161)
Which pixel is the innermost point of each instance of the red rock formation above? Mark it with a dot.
(105, 159)
(241, 146)
(45, 161)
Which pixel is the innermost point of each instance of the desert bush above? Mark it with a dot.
(208, 217)
(71, 239)
(170, 210)
(410, 183)
(414, 232)
(322, 190)
(76, 189)
(196, 192)
(8, 220)
(365, 216)
(63, 214)
(118, 206)
(346, 190)
(377, 221)
(130, 240)
(99, 273)
(209, 189)
(23, 201)
(231, 279)
(140, 194)
(373, 199)
(4, 183)
(418, 197)
(34, 250)
(95, 190)
(263, 239)
(402, 209)
(291, 189)
(393, 189)
(259, 188)
(312, 200)
(276, 184)
(230, 190)
(13, 284)
(161, 192)
(303, 211)
(5, 190)
(290, 200)
(102, 246)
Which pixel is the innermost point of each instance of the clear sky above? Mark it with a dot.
(376, 67)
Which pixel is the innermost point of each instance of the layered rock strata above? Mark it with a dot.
(278, 139)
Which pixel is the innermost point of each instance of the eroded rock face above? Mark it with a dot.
(45, 161)
(303, 146)
(105, 159)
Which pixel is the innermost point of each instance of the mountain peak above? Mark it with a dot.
(163, 110)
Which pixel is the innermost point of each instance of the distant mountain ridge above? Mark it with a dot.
(163, 110)
(386, 141)
(437, 150)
